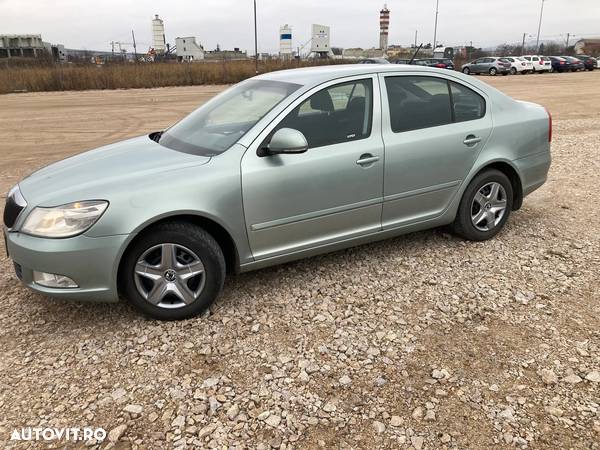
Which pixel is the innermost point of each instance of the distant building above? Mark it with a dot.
(587, 46)
(30, 46)
(158, 35)
(188, 49)
(359, 53)
(219, 54)
(320, 40)
(21, 46)
(384, 25)
(285, 42)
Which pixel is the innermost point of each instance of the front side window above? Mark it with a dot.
(418, 102)
(337, 114)
(222, 121)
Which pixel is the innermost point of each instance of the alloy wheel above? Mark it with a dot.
(488, 206)
(493, 71)
(169, 276)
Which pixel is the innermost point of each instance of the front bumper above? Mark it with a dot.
(91, 262)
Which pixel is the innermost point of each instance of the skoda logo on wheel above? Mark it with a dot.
(170, 275)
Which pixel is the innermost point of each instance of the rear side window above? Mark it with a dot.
(418, 102)
(467, 104)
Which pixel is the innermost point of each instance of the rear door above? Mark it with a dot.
(433, 128)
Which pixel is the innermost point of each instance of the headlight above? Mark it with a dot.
(64, 221)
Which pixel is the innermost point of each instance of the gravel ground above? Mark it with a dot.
(424, 341)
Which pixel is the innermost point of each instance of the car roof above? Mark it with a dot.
(316, 75)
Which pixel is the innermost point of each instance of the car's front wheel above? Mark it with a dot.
(466, 71)
(173, 271)
(513, 71)
(485, 206)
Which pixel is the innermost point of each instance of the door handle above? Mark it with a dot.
(367, 159)
(471, 140)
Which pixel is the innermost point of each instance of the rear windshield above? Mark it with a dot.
(222, 121)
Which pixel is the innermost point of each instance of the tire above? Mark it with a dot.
(493, 71)
(185, 242)
(513, 71)
(469, 207)
(466, 71)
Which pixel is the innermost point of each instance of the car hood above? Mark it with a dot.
(93, 174)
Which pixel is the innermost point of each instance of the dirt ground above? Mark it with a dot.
(423, 341)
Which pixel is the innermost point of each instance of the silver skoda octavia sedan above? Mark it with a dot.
(281, 166)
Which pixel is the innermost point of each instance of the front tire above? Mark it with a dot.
(513, 71)
(466, 71)
(485, 206)
(172, 272)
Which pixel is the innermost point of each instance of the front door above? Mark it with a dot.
(433, 128)
(331, 192)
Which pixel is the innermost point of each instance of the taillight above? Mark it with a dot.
(549, 126)
(443, 66)
(523, 64)
(562, 62)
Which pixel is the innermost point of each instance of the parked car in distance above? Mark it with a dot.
(576, 63)
(540, 64)
(282, 166)
(589, 62)
(519, 65)
(374, 61)
(440, 63)
(560, 64)
(491, 65)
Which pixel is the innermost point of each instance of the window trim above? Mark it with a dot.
(388, 114)
(267, 131)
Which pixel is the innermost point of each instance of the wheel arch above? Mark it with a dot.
(214, 228)
(515, 180)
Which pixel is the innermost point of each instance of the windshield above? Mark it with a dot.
(222, 121)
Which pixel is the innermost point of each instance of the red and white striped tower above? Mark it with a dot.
(384, 24)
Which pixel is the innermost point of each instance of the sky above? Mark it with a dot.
(91, 25)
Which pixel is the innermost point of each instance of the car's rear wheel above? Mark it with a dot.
(493, 71)
(466, 71)
(174, 271)
(485, 206)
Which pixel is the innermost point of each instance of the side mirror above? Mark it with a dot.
(285, 141)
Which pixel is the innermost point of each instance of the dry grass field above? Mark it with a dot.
(44, 78)
(423, 342)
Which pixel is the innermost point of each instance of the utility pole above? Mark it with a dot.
(134, 46)
(523, 44)
(537, 42)
(437, 4)
(568, 36)
(255, 41)
(416, 34)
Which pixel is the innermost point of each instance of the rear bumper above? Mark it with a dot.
(90, 262)
(533, 170)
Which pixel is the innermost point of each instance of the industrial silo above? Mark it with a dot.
(158, 35)
(285, 42)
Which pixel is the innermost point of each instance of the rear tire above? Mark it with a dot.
(493, 71)
(190, 249)
(478, 204)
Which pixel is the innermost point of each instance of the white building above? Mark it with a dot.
(159, 42)
(285, 41)
(320, 40)
(188, 49)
